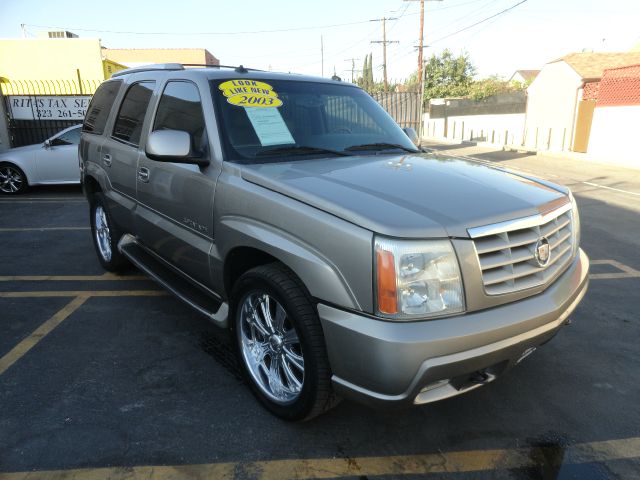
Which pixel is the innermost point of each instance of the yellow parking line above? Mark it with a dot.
(72, 278)
(12, 202)
(39, 333)
(60, 199)
(41, 229)
(323, 468)
(88, 293)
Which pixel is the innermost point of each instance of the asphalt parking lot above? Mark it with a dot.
(105, 376)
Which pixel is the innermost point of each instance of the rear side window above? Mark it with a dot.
(100, 107)
(180, 108)
(128, 127)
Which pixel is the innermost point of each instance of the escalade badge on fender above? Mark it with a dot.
(542, 252)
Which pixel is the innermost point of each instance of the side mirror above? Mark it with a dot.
(413, 136)
(47, 143)
(172, 146)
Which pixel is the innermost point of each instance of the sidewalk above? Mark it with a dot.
(631, 162)
(605, 182)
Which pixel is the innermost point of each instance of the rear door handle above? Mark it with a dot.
(143, 174)
(106, 159)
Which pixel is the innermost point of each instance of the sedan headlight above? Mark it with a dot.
(417, 278)
(575, 227)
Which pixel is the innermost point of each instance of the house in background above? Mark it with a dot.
(524, 76)
(135, 57)
(616, 116)
(558, 112)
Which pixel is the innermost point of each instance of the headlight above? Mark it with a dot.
(575, 227)
(417, 278)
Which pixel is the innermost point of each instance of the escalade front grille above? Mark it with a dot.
(507, 251)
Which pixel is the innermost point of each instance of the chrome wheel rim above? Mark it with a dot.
(270, 348)
(103, 236)
(10, 180)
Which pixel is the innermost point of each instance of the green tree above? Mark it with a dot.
(370, 81)
(447, 75)
(488, 87)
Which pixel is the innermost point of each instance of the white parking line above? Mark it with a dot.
(611, 188)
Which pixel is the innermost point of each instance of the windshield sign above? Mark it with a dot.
(276, 120)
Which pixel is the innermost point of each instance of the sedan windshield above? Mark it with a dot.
(277, 120)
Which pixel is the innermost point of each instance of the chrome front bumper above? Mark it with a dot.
(383, 363)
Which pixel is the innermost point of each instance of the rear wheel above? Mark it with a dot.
(106, 236)
(280, 343)
(12, 179)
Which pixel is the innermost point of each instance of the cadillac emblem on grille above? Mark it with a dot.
(542, 252)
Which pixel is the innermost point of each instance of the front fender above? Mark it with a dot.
(27, 165)
(321, 277)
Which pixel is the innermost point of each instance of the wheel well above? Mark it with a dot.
(90, 186)
(240, 260)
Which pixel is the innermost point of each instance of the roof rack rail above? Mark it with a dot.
(239, 68)
(149, 68)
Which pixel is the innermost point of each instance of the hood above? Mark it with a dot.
(26, 148)
(26, 152)
(410, 196)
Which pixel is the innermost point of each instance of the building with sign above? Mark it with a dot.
(135, 57)
(47, 83)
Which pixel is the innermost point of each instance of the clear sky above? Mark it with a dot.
(526, 37)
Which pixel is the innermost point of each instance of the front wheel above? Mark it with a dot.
(106, 236)
(12, 179)
(280, 343)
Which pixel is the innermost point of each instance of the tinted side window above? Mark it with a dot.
(100, 107)
(180, 108)
(130, 118)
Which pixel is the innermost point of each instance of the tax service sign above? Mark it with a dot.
(37, 107)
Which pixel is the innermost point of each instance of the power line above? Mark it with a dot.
(292, 29)
(478, 23)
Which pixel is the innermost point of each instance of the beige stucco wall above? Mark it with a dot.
(614, 132)
(551, 106)
(51, 59)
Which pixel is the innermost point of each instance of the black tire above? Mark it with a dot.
(13, 181)
(279, 283)
(110, 259)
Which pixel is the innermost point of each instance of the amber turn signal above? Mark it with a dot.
(387, 296)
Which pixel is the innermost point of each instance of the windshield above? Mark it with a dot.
(276, 120)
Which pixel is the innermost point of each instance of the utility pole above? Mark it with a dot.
(353, 66)
(384, 43)
(421, 38)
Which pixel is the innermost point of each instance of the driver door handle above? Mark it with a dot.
(143, 174)
(106, 159)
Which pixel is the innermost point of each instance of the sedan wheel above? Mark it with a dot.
(12, 180)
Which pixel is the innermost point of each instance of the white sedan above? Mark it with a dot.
(55, 161)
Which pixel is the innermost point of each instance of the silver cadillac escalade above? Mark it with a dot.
(294, 213)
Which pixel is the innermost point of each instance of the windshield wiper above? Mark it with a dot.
(380, 146)
(301, 150)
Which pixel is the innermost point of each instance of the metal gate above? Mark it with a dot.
(38, 109)
(404, 107)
